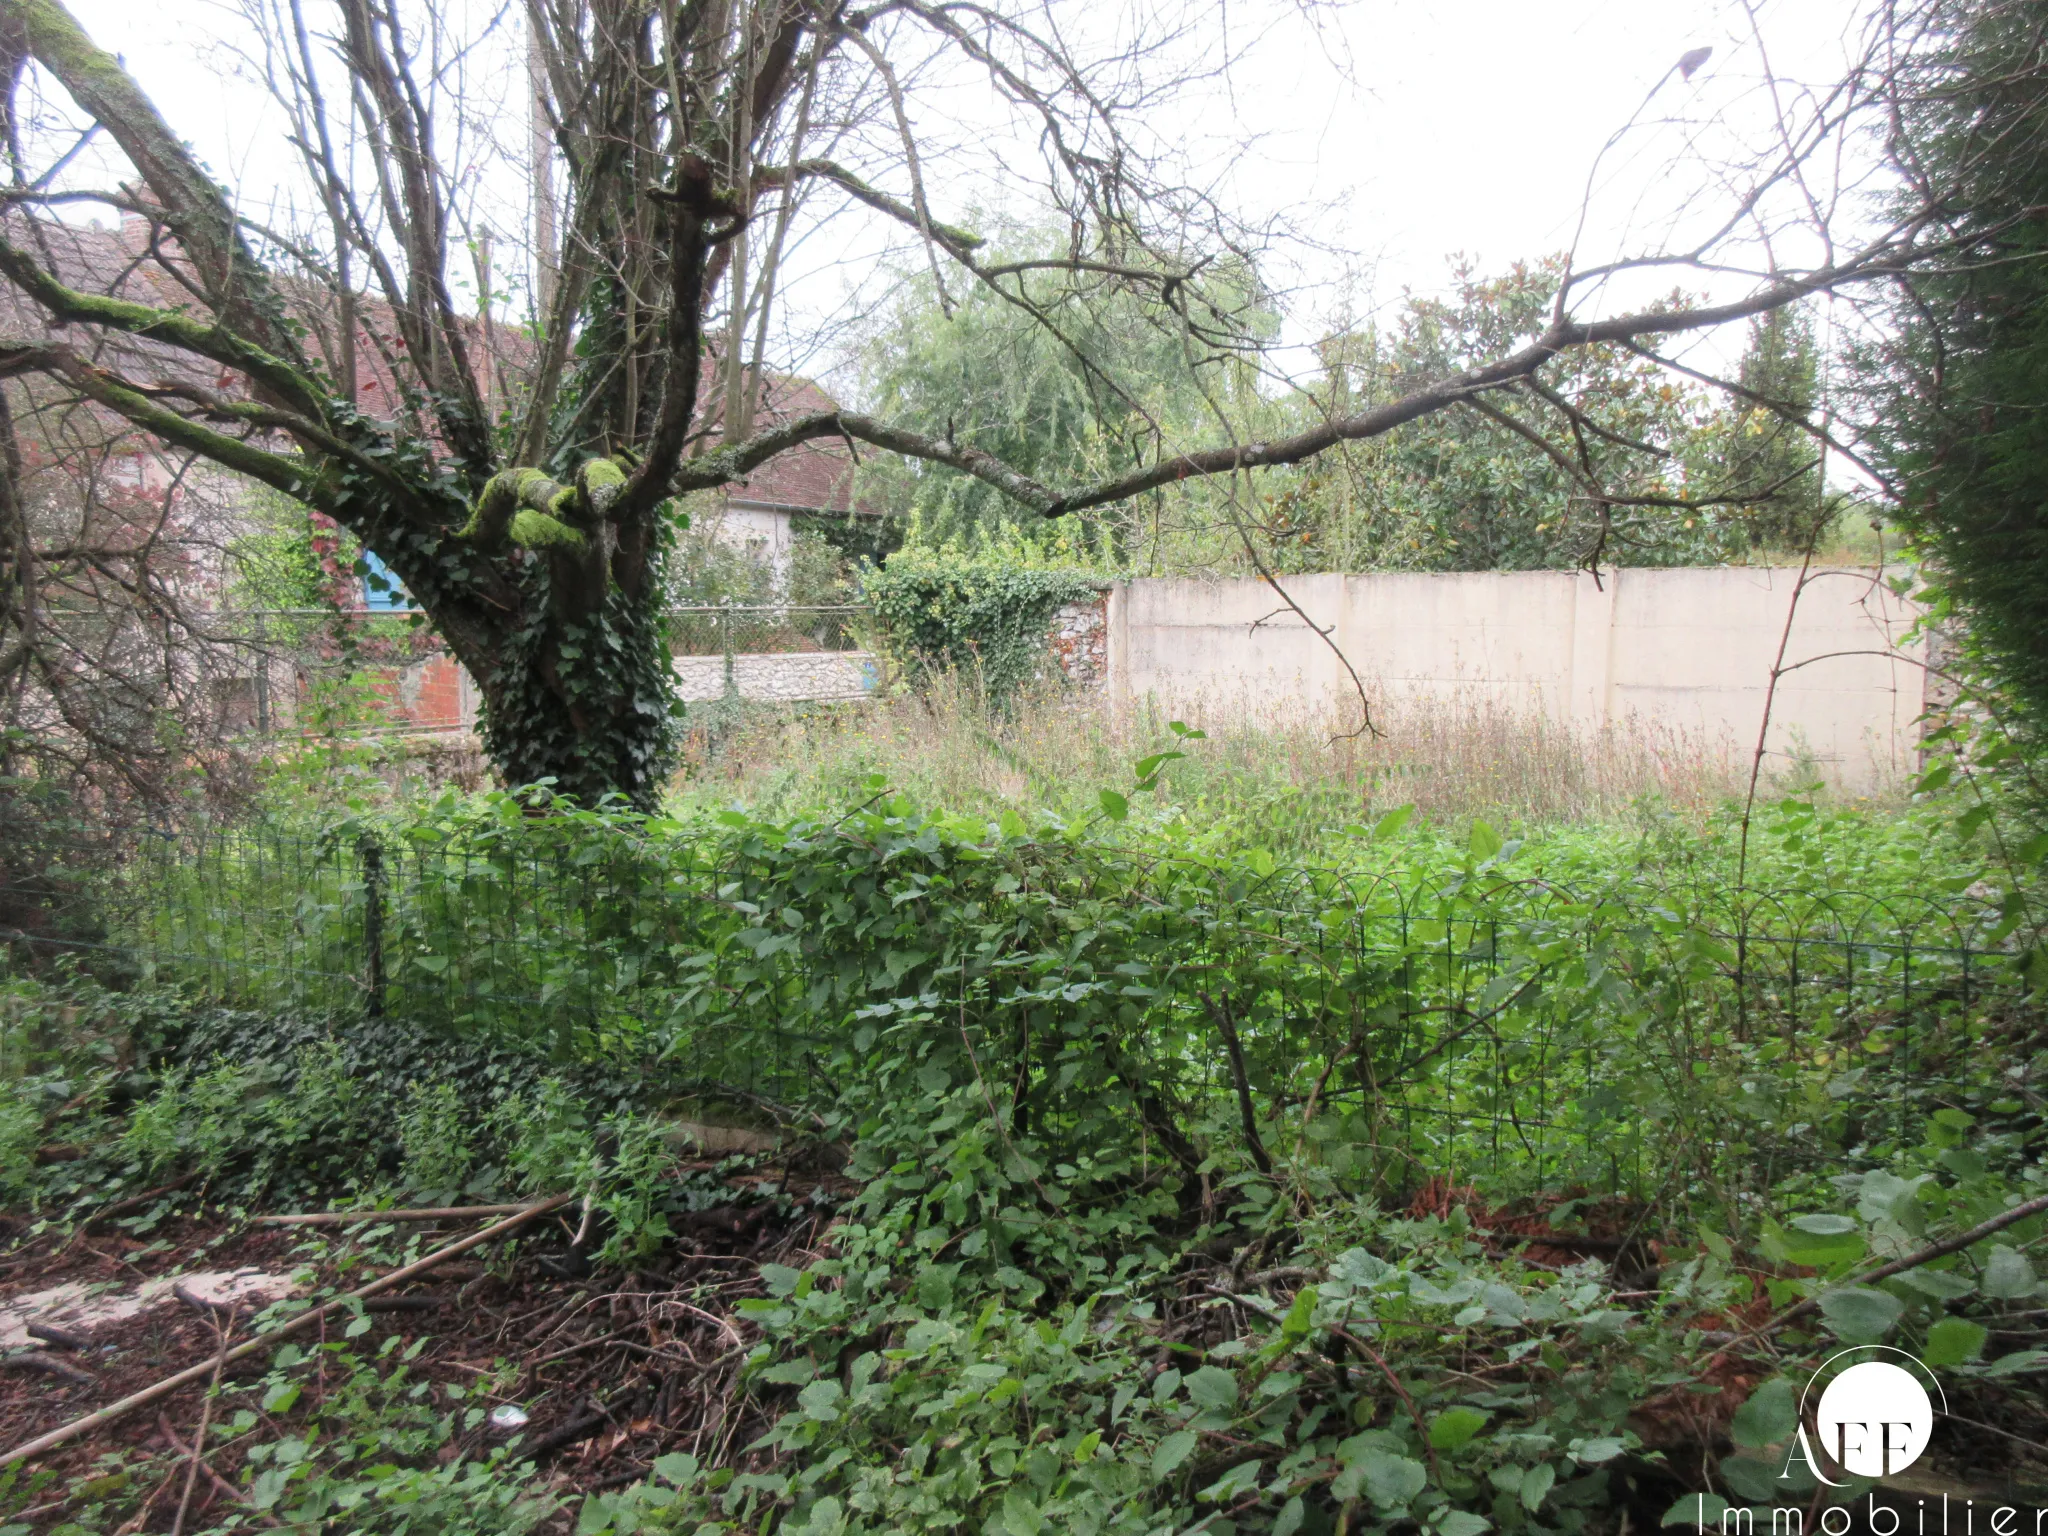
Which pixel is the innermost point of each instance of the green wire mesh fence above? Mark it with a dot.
(1481, 1023)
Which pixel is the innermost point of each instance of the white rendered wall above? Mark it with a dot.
(1685, 654)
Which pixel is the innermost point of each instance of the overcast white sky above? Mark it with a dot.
(1399, 131)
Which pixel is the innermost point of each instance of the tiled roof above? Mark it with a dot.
(815, 476)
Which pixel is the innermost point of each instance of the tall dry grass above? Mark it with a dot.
(1056, 750)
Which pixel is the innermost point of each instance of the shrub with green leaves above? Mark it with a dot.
(21, 1129)
(988, 619)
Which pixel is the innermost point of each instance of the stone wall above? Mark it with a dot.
(789, 678)
(1079, 642)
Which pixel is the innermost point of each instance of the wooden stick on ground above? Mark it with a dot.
(226, 1326)
(264, 1341)
(353, 1218)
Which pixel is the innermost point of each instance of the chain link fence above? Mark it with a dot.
(259, 674)
(730, 629)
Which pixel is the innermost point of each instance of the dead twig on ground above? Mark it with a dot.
(226, 1327)
(357, 1218)
(50, 1333)
(221, 1484)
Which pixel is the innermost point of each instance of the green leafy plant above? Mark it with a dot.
(438, 1144)
(985, 618)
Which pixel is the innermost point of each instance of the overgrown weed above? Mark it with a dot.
(1287, 783)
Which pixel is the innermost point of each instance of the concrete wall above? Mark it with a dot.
(1684, 655)
(791, 677)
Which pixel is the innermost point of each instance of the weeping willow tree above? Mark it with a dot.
(1082, 402)
(523, 482)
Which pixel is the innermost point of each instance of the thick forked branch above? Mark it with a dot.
(306, 406)
(1562, 336)
(736, 461)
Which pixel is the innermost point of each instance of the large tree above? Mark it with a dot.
(526, 506)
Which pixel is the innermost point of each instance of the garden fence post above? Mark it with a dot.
(262, 676)
(373, 924)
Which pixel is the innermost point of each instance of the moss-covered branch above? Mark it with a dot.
(181, 331)
(198, 211)
(725, 465)
(534, 511)
(286, 474)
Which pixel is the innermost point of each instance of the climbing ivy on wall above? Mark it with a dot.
(987, 618)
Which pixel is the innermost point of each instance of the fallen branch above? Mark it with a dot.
(430, 1302)
(207, 1305)
(1927, 1255)
(353, 1218)
(49, 1365)
(565, 1434)
(63, 1338)
(263, 1341)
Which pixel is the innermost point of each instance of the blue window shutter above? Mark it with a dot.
(382, 591)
